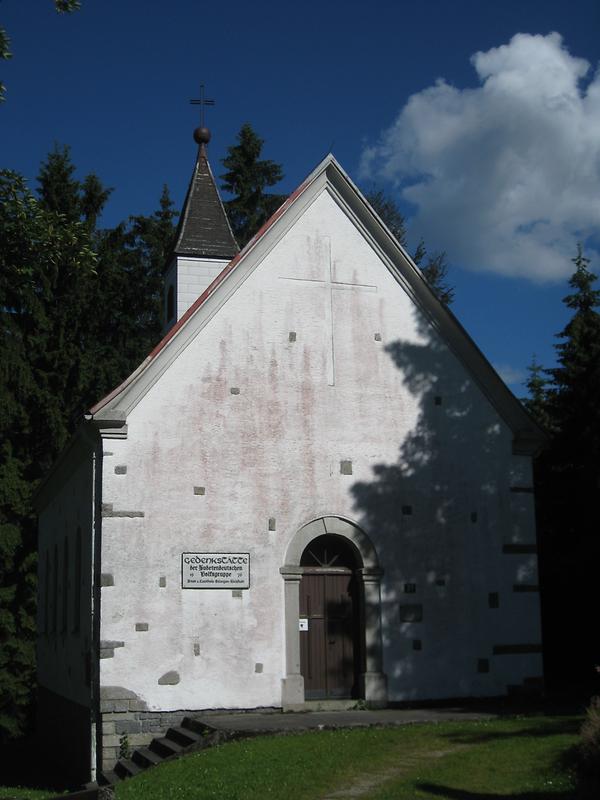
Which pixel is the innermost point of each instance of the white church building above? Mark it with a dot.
(314, 488)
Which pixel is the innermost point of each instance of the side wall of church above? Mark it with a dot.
(319, 388)
(64, 617)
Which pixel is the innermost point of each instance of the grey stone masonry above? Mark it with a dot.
(107, 648)
(108, 511)
(140, 727)
(169, 678)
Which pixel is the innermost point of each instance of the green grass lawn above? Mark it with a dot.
(510, 758)
(21, 793)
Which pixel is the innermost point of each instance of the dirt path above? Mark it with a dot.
(365, 784)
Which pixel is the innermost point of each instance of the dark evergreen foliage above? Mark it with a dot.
(246, 178)
(568, 486)
(536, 401)
(386, 207)
(79, 310)
(435, 273)
(45, 262)
(434, 268)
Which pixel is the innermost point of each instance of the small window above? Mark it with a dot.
(170, 304)
(329, 550)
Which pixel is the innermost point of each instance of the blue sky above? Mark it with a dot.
(489, 141)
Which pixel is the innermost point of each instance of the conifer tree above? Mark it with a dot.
(435, 273)
(537, 400)
(45, 262)
(386, 207)
(246, 178)
(60, 191)
(574, 404)
(435, 268)
(568, 487)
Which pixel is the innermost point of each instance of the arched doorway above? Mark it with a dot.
(338, 544)
(330, 619)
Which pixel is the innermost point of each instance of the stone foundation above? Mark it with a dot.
(124, 714)
(132, 729)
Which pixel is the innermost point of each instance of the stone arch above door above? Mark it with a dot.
(373, 679)
(335, 525)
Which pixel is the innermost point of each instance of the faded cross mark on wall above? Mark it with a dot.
(323, 250)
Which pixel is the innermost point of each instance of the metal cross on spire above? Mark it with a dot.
(202, 102)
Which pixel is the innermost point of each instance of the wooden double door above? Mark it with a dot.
(330, 648)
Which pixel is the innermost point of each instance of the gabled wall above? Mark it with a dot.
(260, 426)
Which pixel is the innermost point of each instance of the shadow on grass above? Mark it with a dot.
(542, 729)
(461, 794)
(587, 789)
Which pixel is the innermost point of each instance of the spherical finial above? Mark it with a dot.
(202, 136)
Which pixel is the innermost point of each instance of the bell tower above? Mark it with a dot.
(204, 243)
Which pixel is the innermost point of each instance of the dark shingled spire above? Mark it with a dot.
(204, 230)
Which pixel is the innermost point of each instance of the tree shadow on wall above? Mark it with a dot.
(434, 517)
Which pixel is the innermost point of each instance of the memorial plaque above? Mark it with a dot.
(215, 570)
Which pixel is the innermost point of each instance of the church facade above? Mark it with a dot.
(314, 488)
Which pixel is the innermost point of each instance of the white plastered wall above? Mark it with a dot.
(259, 411)
(189, 277)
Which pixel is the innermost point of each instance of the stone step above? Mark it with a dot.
(145, 757)
(107, 777)
(197, 725)
(184, 736)
(126, 768)
(165, 747)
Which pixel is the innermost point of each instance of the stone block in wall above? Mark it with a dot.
(110, 757)
(151, 726)
(114, 705)
(170, 678)
(140, 739)
(112, 740)
(128, 726)
(119, 699)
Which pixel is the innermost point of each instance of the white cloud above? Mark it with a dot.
(506, 176)
(510, 375)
